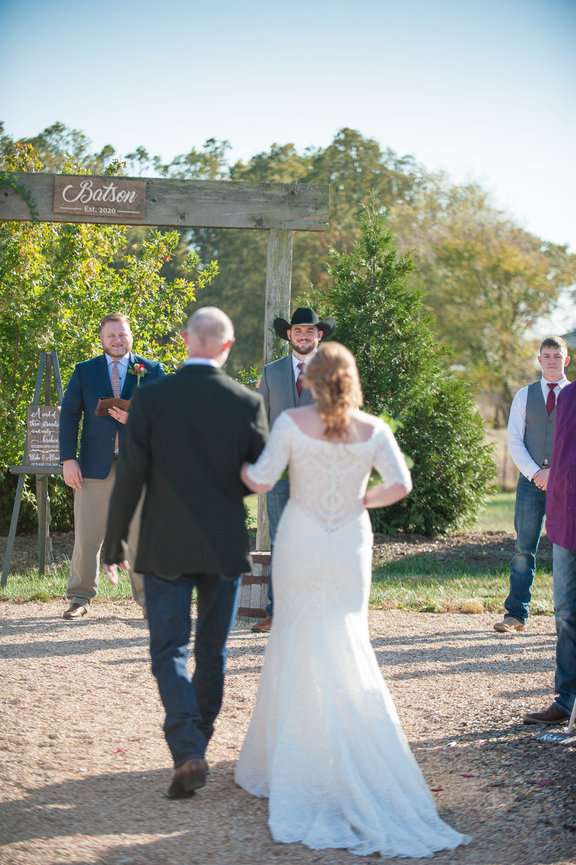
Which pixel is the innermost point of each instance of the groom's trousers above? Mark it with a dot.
(191, 704)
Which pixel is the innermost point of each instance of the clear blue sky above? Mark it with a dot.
(484, 90)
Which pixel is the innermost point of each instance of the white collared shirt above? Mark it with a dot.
(517, 427)
(295, 362)
(200, 361)
(122, 367)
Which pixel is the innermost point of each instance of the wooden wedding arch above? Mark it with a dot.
(280, 209)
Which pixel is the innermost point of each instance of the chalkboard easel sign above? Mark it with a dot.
(41, 458)
(42, 442)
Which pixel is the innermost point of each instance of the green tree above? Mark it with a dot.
(405, 374)
(486, 280)
(355, 167)
(56, 283)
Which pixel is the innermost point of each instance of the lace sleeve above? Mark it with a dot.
(275, 456)
(389, 460)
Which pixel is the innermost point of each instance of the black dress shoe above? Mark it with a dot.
(551, 715)
(264, 626)
(188, 778)
(75, 611)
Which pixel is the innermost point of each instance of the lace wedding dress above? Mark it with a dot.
(325, 743)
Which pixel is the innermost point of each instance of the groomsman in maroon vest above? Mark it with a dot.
(561, 529)
(530, 441)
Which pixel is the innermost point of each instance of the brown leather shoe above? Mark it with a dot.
(262, 627)
(188, 778)
(75, 611)
(552, 715)
(509, 624)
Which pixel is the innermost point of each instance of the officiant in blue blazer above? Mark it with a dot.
(90, 473)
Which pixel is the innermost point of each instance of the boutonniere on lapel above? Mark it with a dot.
(139, 370)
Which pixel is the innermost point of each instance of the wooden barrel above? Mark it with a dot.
(254, 587)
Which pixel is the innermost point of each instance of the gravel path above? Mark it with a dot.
(83, 764)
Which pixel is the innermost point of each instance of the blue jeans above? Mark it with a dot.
(191, 705)
(565, 611)
(528, 521)
(276, 501)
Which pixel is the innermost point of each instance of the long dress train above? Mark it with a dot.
(325, 744)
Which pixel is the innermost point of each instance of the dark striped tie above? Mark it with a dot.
(551, 400)
(299, 380)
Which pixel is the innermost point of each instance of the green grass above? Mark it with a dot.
(497, 515)
(30, 586)
(422, 582)
(414, 583)
(425, 583)
(417, 583)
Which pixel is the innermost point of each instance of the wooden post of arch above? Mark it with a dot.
(278, 291)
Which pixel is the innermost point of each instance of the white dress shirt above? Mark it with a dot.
(200, 361)
(517, 427)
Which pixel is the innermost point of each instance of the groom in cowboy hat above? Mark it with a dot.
(282, 388)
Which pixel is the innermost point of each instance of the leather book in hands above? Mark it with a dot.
(105, 403)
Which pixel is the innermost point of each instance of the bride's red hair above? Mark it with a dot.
(333, 375)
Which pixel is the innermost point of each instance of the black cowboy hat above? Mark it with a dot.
(303, 315)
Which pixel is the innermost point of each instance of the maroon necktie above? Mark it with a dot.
(551, 399)
(299, 382)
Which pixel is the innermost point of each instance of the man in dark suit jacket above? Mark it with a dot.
(115, 373)
(186, 441)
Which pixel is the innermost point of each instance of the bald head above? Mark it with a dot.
(209, 333)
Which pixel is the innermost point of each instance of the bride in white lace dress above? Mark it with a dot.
(325, 744)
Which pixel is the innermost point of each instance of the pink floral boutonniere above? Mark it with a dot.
(139, 370)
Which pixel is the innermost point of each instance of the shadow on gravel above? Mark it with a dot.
(223, 825)
(475, 652)
(131, 803)
(526, 692)
(481, 654)
(69, 645)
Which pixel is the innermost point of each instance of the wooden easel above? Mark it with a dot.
(47, 368)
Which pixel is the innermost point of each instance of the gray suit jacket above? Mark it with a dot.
(278, 388)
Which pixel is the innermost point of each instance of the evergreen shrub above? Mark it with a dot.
(406, 374)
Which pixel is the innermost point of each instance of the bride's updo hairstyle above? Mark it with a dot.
(333, 375)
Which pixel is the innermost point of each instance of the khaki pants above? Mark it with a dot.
(90, 514)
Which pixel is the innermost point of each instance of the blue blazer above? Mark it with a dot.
(90, 382)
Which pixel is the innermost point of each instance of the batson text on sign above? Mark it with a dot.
(100, 198)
